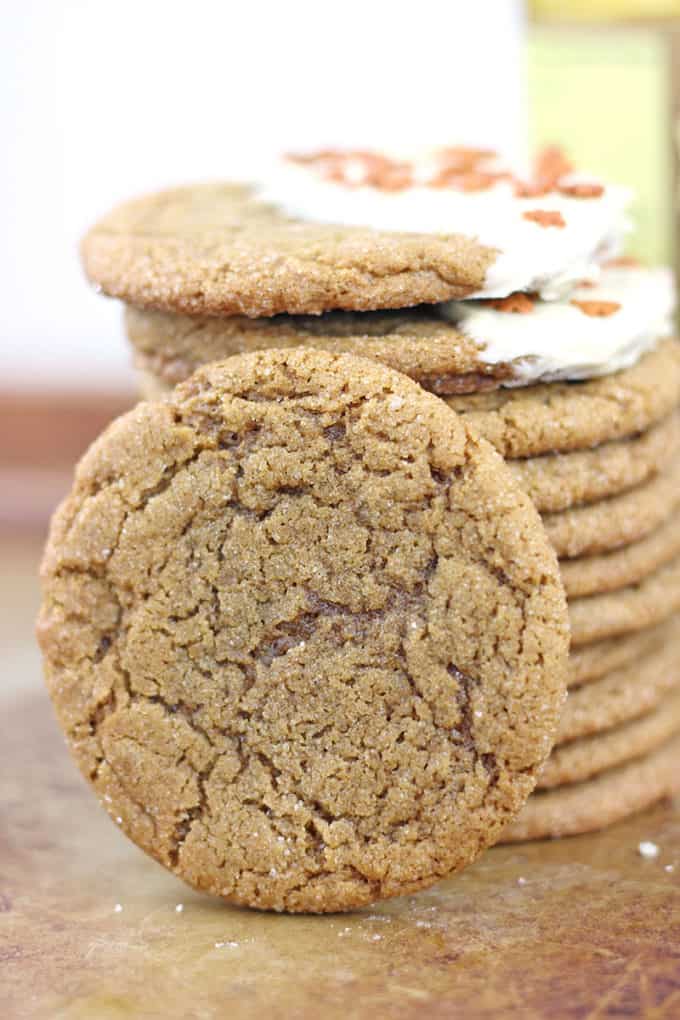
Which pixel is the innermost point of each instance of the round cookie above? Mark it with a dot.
(555, 481)
(559, 417)
(417, 341)
(593, 575)
(617, 521)
(304, 633)
(560, 481)
(581, 759)
(641, 605)
(590, 662)
(620, 696)
(596, 803)
(213, 249)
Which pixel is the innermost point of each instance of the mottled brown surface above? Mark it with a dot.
(592, 932)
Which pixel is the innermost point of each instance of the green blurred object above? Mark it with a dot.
(606, 95)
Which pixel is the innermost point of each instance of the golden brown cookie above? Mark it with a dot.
(630, 609)
(560, 481)
(416, 341)
(581, 759)
(593, 575)
(590, 662)
(305, 634)
(599, 802)
(213, 249)
(622, 695)
(617, 521)
(529, 421)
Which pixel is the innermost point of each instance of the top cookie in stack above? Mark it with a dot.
(508, 298)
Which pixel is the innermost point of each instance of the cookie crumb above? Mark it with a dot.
(648, 849)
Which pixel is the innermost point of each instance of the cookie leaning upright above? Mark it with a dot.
(304, 632)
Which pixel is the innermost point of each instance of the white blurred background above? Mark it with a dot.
(102, 101)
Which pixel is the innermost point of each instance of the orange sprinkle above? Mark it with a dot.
(586, 283)
(517, 303)
(581, 190)
(468, 181)
(624, 262)
(544, 218)
(461, 157)
(551, 164)
(597, 309)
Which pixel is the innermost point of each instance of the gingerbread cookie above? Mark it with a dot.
(582, 759)
(310, 239)
(560, 481)
(594, 575)
(590, 662)
(472, 346)
(527, 422)
(617, 521)
(305, 634)
(610, 797)
(641, 605)
(622, 695)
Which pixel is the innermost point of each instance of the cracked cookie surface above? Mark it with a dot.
(305, 634)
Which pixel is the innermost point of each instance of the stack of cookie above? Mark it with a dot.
(507, 298)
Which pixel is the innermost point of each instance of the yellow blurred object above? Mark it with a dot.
(610, 95)
(600, 10)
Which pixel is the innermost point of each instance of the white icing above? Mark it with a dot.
(545, 259)
(557, 340)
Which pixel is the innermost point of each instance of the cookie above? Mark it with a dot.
(593, 575)
(417, 341)
(617, 521)
(214, 249)
(596, 803)
(305, 634)
(590, 662)
(625, 694)
(490, 345)
(641, 605)
(560, 481)
(559, 417)
(582, 759)
(230, 249)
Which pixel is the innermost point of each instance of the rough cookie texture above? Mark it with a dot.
(599, 802)
(417, 342)
(593, 575)
(305, 634)
(560, 481)
(533, 420)
(211, 249)
(617, 521)
(590, 662)
(581, 759)
(641, 605)
(622, 695)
